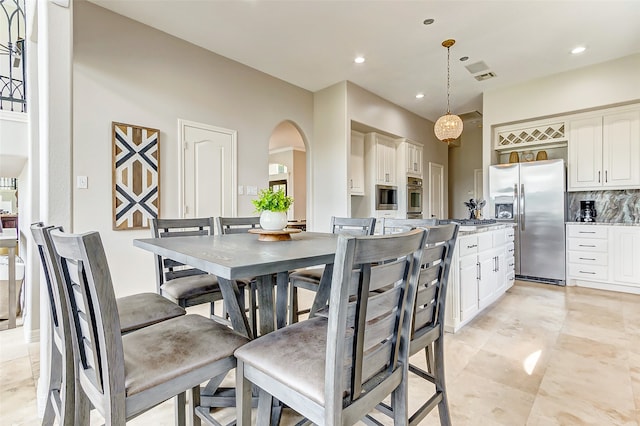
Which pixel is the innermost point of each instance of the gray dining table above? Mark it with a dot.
(235, 256)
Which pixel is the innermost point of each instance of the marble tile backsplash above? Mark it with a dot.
(612, 206)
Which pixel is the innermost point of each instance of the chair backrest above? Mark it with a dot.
(428, 315)
(53, 281)
(372, 291)
(431, 296)
(393, 226)
(169, 269)
(236, 225)
(95, 324)
(353, 225)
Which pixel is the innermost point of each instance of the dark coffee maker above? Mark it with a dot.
(588, 211)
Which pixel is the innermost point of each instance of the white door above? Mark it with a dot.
(436, 191)
(208, 170)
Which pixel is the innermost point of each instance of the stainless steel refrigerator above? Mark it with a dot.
(532, 195)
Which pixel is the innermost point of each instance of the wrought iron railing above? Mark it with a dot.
(12, 56)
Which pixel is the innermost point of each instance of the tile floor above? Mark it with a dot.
(541, 355)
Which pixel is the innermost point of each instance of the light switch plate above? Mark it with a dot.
(252, 190)
(82, 182)
(240, 190)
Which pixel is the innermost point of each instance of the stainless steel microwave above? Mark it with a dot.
(386, 197)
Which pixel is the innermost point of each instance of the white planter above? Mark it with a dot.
(273, 221)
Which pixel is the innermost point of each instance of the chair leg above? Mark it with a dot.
(265, 406)
(253, 303)
(194, 402)
(82, 406)
(438, 373)
(243, 397)
(293, 303)
(428, 352)
(180, 401)
(399, 400)
(53, 385)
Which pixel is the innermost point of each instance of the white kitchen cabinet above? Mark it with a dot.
(625, 244)
(410, 157)
(604, 256)
(468, 284)
(356, 179)
(385, 158)
(479, 274)
(604, 150)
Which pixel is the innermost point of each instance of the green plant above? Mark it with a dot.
(276, 201)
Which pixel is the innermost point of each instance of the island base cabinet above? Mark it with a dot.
(468, 287)
(482, 269)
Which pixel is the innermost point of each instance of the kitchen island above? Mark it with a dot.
(482, 269)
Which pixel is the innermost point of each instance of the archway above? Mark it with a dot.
(288, 166)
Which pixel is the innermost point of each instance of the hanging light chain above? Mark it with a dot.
(448, 78)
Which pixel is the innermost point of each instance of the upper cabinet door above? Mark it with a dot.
(621, 150)
(385, 161)
(585, 153)
(604, 151)
(414, 159)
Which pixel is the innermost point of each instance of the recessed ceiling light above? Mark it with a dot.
(577, 50)
(420, 96)
(429, 21)
(464, 58)
(359, 59)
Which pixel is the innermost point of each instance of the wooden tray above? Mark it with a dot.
(282, 235)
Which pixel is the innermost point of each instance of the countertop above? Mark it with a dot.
(605, 223)
(474, 229)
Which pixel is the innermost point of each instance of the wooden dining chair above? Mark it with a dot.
(180, 283)
(393, 225)
(309, 278)
(135, 312)
(334, 370)
(123, 376)
(241, 225)
(427, 331)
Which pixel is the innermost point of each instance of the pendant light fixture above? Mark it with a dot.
(448, 127)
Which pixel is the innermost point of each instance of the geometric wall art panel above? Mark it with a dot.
(136, 171)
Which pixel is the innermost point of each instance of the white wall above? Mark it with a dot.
(463, 160)
(125, 71)
(14, 143)
(595, 86)
(378, 113)
(330, 152)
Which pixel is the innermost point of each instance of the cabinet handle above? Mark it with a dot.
(351, 183)
(511, 250)
(479, 268)
(586, 245)
(598, 176)
(585, 258)
(587, 272)
(586, 232)
(472, 246)
(606, 176)
(415, 167)
(511, 265)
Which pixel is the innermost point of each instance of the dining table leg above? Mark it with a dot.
(282, 282)
(264, 286)
(231, 296)
(324, 290)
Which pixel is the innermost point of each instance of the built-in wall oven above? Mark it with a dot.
(414, 198)
(386, 197)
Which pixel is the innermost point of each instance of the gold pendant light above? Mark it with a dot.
(448, 127)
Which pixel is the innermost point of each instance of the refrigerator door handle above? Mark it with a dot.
(523, 208)
(516, 202)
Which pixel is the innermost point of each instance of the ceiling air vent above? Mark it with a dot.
(477, 67)
(485, 76)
